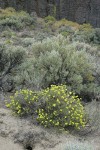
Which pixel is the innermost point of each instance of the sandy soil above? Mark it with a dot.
(21, 134)
(8, 144)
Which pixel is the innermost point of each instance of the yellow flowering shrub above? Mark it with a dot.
(23, 102)
(60, 108)
(54, 106)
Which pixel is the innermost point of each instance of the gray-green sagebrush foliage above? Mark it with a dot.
(9, 18)
(10, 58)
(88, 36)
(57, 61)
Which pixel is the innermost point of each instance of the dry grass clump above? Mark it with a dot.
(65, 22)
(93, 114)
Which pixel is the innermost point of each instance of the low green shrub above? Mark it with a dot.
(49, 19)
(65, 23)
(83, 34)
(61, 62)
(52, 60)
(66, 31)
(14, 20)
(95, 36)
(23, 102)
(88, 35)
(27, 41)
(85, 27)
(56, 60)
(10, 58)
(8, 34)
(61, 108)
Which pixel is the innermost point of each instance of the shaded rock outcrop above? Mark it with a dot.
(81, 11)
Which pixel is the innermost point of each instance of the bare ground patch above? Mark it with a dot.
(17, 133)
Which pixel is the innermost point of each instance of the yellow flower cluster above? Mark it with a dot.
(22, 101)
(62, 108)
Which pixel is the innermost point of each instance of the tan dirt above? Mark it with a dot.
(8, 144)
(17, 134)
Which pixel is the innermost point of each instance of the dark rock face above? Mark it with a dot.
(81, 11)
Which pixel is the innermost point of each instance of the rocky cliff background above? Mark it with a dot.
(81, 11)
